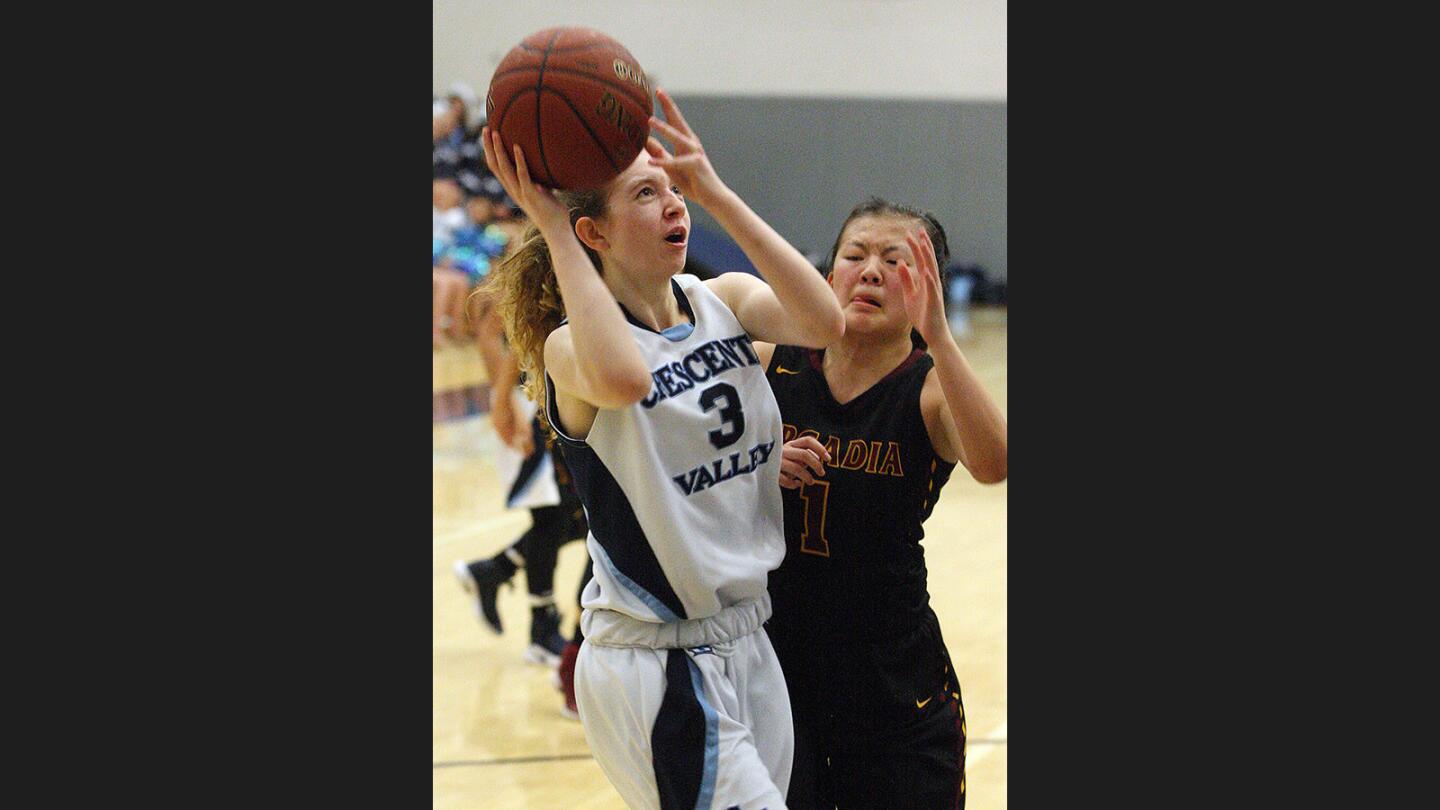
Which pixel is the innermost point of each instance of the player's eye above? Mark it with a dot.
(676, 189)
(646, 190)
(852, 258)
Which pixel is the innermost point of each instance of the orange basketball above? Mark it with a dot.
(575, 101)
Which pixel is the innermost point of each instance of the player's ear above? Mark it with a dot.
(589, 232)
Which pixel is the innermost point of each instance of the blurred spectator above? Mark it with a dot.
(466, 236)
(475, 243)
(449, 286)
(462, 101)
(457, 152)
(472, 220)
(446, 212)
(443, 124)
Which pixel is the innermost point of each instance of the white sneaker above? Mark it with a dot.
(537, 654)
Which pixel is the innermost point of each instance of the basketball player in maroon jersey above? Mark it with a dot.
(874, 424)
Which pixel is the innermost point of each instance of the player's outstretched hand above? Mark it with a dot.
(538, 202)
(801, 460)
(920, 288)
(689, 167)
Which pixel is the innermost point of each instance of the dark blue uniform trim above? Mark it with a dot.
(531, 465)
(613, 522)
(679, 740)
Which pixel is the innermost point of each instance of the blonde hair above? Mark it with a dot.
(525, 292)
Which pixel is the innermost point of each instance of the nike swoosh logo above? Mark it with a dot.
(783, 370)
(921, 704)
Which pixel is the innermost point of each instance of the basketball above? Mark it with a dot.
(575, 101)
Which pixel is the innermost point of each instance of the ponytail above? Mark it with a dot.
(526, 293)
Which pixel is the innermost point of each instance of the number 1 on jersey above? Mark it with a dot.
(816, 498)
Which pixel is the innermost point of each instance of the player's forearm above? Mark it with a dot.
(492, 346)
(606, 355)
(509, 374)
(809, 304)
(983, 434)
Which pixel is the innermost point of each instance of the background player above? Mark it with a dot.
(538, 481)
(672, 435)
(874, 426)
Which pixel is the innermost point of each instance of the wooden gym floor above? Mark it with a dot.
(499, 740)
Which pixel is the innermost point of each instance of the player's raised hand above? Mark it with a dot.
(538, 202)
(801, 460)
(689, 167)
(920, 288)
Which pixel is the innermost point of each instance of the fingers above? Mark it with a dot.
(812, 444)
(672, 112)
(930, 251)
(929, 271)
(926, 251)
(487, 141)
(907, 279)
(803, 461)
(796, 473)
(917, 249)
(521, 170)
(514, 176)
(495, 153)
(500, 165)
(677, 136)
(658, 155)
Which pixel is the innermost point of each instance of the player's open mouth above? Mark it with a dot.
(676, 235)
(866, 300)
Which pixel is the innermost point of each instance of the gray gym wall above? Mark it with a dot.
(806, 107)
(803, 163)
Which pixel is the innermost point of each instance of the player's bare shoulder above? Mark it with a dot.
(732, 287)
(559, 346)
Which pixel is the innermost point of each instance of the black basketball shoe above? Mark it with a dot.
(546, 643)
(482, 579)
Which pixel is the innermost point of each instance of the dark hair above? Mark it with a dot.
(877, 207)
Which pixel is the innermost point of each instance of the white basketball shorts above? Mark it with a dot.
(705, 725)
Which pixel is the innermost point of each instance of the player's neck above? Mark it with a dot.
(651, 303)
(856, 353)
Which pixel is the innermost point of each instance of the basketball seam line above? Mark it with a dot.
(539, 122)
(598, 142)
(603, 149)
(613, 84)
(500, 125)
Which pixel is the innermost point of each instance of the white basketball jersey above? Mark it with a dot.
(681, 490)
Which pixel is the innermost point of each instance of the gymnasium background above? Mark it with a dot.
(805, 108)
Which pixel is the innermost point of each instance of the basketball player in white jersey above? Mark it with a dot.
(673, 439)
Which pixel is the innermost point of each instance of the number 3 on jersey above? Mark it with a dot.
(732, 416)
